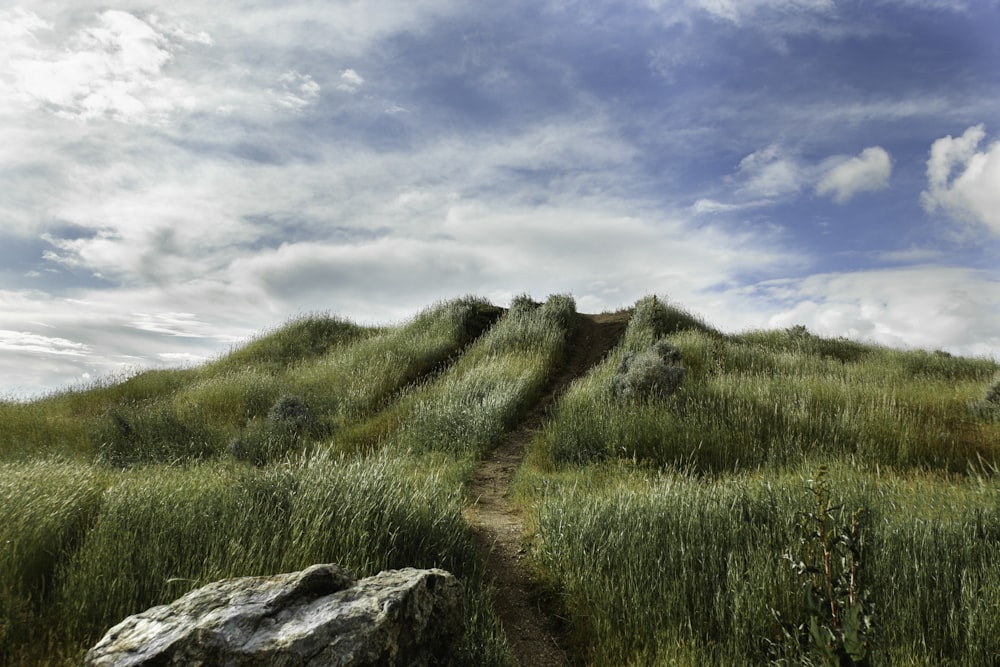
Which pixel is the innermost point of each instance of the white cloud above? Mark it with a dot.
(973, 193)
(350, 81)
(109, 69)
(25, 341)
(925, 307)
(738, 10)
(20, 25)
(708, 206)
(868, 172)
(770, 172)
(297, 91)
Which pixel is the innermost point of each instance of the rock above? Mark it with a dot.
(320, 616)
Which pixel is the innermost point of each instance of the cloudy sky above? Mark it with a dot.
(178, 176)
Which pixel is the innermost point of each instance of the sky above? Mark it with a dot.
(178, 177)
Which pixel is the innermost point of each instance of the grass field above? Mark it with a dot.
(697, 498)
(669, 526)
(146, 501)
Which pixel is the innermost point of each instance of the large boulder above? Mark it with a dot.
(320, 616)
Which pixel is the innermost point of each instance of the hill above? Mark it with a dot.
(675, 495)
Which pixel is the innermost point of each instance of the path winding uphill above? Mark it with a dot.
(497, 527)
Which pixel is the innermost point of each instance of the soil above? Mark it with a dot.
(533, 632)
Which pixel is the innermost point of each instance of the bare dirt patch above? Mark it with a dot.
(532, 632)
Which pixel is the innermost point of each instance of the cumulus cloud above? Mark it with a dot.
(868, 172)
(964, 181)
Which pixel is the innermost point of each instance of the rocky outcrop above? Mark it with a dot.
(320, 616)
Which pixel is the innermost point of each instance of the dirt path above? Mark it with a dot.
(532, 633)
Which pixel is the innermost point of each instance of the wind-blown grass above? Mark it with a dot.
(658, 516)
(153, 533)
(470, 407)
(765, 399)
(45, 510)
(669, 568)
(343, 371)
(685, 565)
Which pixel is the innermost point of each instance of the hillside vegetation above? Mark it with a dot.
(697, 498)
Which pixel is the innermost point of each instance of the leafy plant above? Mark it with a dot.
(838, 624)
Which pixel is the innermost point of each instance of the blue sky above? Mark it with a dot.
(176, 177)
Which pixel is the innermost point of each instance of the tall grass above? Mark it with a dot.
(673, 569)
(469, 408)
(153, 533)
(765, 399)
(343, 371)
(45, 510)
(356, 381)
(219, 394)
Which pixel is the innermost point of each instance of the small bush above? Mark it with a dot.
(523, 302)
(292, 413)
(289, 422)
(993, 394)
(987, 408)
(650, 374)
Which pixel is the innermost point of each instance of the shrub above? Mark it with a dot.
(649, 374)
(292, 413)
(523, 302)
(289, 422)
(993, 394)
(988, 407)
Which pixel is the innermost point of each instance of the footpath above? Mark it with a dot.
(532, 632)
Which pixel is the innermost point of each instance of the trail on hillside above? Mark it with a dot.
(497, 528)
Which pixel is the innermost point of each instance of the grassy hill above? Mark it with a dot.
(695, 498)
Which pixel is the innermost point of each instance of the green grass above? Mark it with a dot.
(658, 522)
(105, 545)
(345, 373)
(469, 408)
(46, 508)
(655, 567)
(661, 523)
(767, 399)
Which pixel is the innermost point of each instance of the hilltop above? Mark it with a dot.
(666, 492)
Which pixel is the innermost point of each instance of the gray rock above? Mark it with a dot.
(320, 616)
